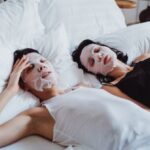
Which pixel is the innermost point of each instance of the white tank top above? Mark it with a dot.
(99, 120)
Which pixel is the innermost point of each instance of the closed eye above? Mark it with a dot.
(96, 50)
(30, 68)
(42, 60)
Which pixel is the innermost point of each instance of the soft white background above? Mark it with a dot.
(131, 15)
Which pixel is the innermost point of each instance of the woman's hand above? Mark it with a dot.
(13, 82)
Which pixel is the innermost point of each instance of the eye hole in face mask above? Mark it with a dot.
(42, 60)
(96, 50)
(30, 68)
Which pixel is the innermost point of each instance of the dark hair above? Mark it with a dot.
(76, 57)
(18, 54)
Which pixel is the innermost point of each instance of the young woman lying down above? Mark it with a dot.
(86, 116)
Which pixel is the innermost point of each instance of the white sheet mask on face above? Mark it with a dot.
(35, 79)
(41, 84)
(99, 67)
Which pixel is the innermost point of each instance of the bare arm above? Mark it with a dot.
(142, 57)
(34, 121)
(5, 97)
(13, 86)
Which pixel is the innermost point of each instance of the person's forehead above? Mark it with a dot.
(90, 46)
(32, 56)
(87, 50)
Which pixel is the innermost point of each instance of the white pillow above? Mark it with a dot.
(20, 22)
(89, 18)
(133, 40)
(6, 60)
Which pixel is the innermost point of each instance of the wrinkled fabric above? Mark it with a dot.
(98, 119)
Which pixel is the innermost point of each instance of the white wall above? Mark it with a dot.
(132, 15)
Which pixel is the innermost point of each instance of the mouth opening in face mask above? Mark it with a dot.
(41, 84)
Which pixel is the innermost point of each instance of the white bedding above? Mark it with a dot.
(33, 143)
(96, 118)
(37, 24)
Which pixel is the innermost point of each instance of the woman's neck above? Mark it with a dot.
(121, 69)
(46, 94)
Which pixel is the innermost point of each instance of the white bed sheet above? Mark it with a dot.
(96, 118)
(35, 142)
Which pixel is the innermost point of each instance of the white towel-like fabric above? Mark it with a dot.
(99, 120)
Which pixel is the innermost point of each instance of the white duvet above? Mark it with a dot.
(23, 23)
(97, 119)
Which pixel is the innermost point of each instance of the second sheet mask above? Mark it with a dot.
(42, 76)
(99, 66)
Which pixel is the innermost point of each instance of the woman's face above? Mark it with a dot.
(40, 74)
(98, 59)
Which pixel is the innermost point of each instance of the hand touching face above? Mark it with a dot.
(20, 65)
(40, 74)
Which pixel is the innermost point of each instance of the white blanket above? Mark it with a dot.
(95, 118)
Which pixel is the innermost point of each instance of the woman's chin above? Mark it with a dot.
(47, 88)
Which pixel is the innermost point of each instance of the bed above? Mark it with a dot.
(55, 28)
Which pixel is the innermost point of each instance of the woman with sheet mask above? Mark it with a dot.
(109, 66)
(58, 120)
(98, 59)
(41, 74)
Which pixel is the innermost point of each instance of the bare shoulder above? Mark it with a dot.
(116, 91)
(36, 111)
(142, 57)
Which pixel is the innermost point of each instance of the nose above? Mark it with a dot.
(41, 68)
(98, 57)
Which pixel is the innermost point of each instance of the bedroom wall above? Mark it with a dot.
(132, 15)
